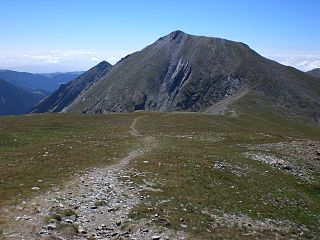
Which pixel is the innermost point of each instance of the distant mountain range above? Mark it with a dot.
(314, 72)
(182, 72)
(47, 82)
(14, 100)
(20, 91)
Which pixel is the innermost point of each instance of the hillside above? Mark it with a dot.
(182, 72)
(314, 72)
(66, 93)
(14, 100)
(48, 82)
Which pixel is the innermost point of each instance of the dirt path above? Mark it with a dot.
(133, 131)
(95, 205)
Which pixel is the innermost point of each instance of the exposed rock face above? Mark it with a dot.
(181, 72)
(62, 97)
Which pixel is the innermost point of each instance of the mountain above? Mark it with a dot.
(182, 72)
(31, 82)
(314, 72)
(14, 100)
(66, 93)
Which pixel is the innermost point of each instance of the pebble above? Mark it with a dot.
(51, 226)
(81, 230)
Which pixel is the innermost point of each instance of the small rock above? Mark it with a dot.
(43, 231)
(219, 166)
(287, 167)
(125, 234)
(110, 209)
(155, 237)
(35, 188)
(68, 221)
(51, 226)
(81, 230)
(118, 223)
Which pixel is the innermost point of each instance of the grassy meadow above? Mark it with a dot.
(199, 172)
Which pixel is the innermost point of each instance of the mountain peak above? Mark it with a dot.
(314, 72)
(176, 34)
(103, 64)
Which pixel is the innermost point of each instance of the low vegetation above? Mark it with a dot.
(209, 187)
(40, 152)
(201, 177)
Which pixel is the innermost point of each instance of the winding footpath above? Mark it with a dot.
(95, 205)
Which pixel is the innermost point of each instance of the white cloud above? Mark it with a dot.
(46, 59)
(56, 60)
(95, 60)
(302, 61)
(83, 59)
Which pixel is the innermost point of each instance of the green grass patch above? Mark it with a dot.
(46, 150)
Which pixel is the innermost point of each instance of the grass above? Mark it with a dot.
(182, 167)
(53, 147)
(45, 150)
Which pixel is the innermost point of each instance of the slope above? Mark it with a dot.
(62, 97)
(14, 100)
(314, 72)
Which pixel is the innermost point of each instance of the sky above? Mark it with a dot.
(74, 35)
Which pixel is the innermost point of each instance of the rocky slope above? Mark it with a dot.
(314, 72)
(182, 72)
(62, 97)
(14, 100)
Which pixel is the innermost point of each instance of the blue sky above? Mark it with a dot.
(65, 35)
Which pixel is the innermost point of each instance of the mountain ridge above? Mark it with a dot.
(48, 82)
(66, 93)
(182, 72)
